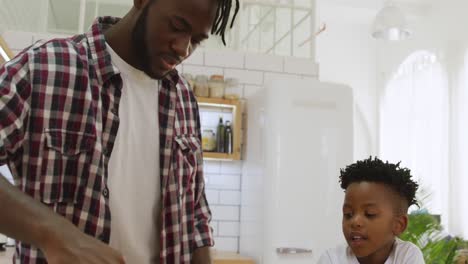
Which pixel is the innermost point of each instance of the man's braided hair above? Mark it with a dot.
(223, 14)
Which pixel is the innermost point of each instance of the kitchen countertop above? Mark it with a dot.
(219, 257)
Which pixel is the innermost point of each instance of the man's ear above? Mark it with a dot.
(400, 224)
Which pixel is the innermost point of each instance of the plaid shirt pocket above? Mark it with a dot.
(190, 160)
(66, 165)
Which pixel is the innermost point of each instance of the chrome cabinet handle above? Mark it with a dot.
(291, 251)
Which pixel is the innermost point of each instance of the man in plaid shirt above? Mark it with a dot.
(68, 113)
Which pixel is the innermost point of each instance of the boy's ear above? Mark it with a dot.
(400, 223)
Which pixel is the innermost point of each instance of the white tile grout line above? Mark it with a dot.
(226, 221)
(284, 63)
(227, 236)
(225, 190)
(245, 58)
(224, 68)
(226, 173)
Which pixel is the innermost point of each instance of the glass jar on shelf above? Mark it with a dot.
(216, 85)
(208, 140)
(231, 90)
(201, 86)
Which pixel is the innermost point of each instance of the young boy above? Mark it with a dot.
(375, 210)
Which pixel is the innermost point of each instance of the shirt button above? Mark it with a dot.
(105, 192)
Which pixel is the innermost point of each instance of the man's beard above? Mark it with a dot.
(139, 44)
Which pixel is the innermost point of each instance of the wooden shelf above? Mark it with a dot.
(220, 156)
(217, 102)
(236, 107)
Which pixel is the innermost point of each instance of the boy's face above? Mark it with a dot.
(370, 221)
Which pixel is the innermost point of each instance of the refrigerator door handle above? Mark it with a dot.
(292, 251)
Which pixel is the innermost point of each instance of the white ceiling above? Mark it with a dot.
(377, 4)
(63, 14)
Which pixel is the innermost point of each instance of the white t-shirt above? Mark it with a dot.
(403, 253)
(133, 178)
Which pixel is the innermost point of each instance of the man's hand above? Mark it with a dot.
(29, 221)
(68, 245)
(201, 256)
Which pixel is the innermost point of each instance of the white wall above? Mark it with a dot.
(347, 54)
(450, 19)
(440, 31)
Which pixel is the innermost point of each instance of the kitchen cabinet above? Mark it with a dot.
(235, 106)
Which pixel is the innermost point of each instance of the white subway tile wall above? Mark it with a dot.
(224, 58)
(202, 70)
(197, 58)
(227, 243)
(245, 76)
(230, 197)
(300, 66)
(225, 212)
(250, 90)
(223, 181)
(223, 178)
(272, 75)
(230, 229)
(212, 196)
(264, 62)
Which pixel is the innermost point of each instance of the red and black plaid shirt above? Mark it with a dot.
(58, 121)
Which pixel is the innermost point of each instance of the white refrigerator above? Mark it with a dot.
(299, 134)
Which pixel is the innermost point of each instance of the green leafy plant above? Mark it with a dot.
(425, 231)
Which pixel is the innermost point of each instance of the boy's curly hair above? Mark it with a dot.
(375, 170)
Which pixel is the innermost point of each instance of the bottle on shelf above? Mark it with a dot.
(228, 138)
(220, 136)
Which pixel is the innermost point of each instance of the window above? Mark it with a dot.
(459, 152)
(415, 123)
(280, 27)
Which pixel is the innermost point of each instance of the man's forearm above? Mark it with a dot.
(24, 218)
(202, 256)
